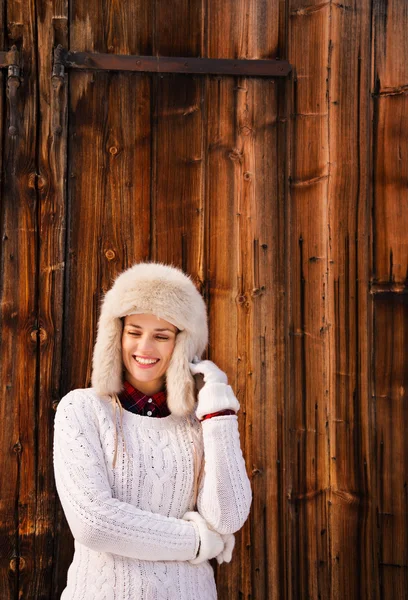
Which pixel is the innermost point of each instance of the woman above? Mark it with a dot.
(154, 490)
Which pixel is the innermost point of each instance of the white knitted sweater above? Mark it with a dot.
(131, 542)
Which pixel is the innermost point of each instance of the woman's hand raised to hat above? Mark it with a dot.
(210, 371)
(215, 395)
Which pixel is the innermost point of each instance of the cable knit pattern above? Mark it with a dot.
(130, 539)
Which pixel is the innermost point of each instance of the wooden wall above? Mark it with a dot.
(286, 199)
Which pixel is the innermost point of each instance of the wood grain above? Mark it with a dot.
(286, 201)
(47, 579)
(19, 342)
(177, 203)
(351, 514)
(391, 443)
(390, 142)
(245, 271)
(308, 564)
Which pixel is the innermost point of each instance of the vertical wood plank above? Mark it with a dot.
(20, 333)
(8, 579)
(246, 277)
(178, 156)
(178, 28)
(391, 407)
(351, 512)
(48, 579)
(177, 193)
(243, 29)
(390, 140)
(309, 561)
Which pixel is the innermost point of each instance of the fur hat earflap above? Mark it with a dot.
(170, 294)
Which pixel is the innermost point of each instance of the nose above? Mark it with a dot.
(145, 345)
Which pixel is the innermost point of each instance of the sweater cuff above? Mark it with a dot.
(198, 540)
(214, 397)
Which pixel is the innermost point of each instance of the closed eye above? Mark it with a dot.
(158, 337)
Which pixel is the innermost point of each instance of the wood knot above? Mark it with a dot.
(113, 150)
(236, 154)
(41, 182)
(31, 180)
(17, 562)
(17, 448)
(110, 254)
(38, 333)
(245, 130)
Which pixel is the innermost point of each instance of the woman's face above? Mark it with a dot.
(147, 345)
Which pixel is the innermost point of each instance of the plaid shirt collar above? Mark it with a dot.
(135, 401)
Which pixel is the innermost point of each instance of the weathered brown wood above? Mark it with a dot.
(178, 183)
(391, 442)
(179, 155)
(10, 57)
(8, 470)
(351, 514)
(245, 265)
(195, 170)
(47, 577)
(309, 560)
(163, 64)
(390, 142)
(19, 336)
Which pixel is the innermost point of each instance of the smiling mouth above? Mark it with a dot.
(146, 361)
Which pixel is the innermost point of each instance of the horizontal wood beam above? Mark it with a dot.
(168, 64)
(389, 288)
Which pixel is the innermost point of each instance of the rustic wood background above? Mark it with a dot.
(287, 202)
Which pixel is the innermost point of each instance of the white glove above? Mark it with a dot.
(211, 542)
(216, 394)
(226, 554)
(212, 374)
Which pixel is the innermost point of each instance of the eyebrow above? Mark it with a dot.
(158, 329)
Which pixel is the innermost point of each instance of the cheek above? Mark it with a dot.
(169, 352)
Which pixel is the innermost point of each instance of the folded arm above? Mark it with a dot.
(96, 519)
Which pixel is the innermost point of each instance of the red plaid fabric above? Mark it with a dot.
(135, 401)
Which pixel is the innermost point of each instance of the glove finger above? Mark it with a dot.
(229, 547)
(194, 368)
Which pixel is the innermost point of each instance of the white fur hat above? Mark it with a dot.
(168, 293)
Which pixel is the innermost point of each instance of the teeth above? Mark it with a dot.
(146, 361)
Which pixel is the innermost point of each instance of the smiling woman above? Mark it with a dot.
(147, 522)
(147, 346)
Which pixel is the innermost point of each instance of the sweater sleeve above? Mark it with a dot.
(96, 519)
(225, 495)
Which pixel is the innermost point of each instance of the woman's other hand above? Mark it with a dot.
(211, 543)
